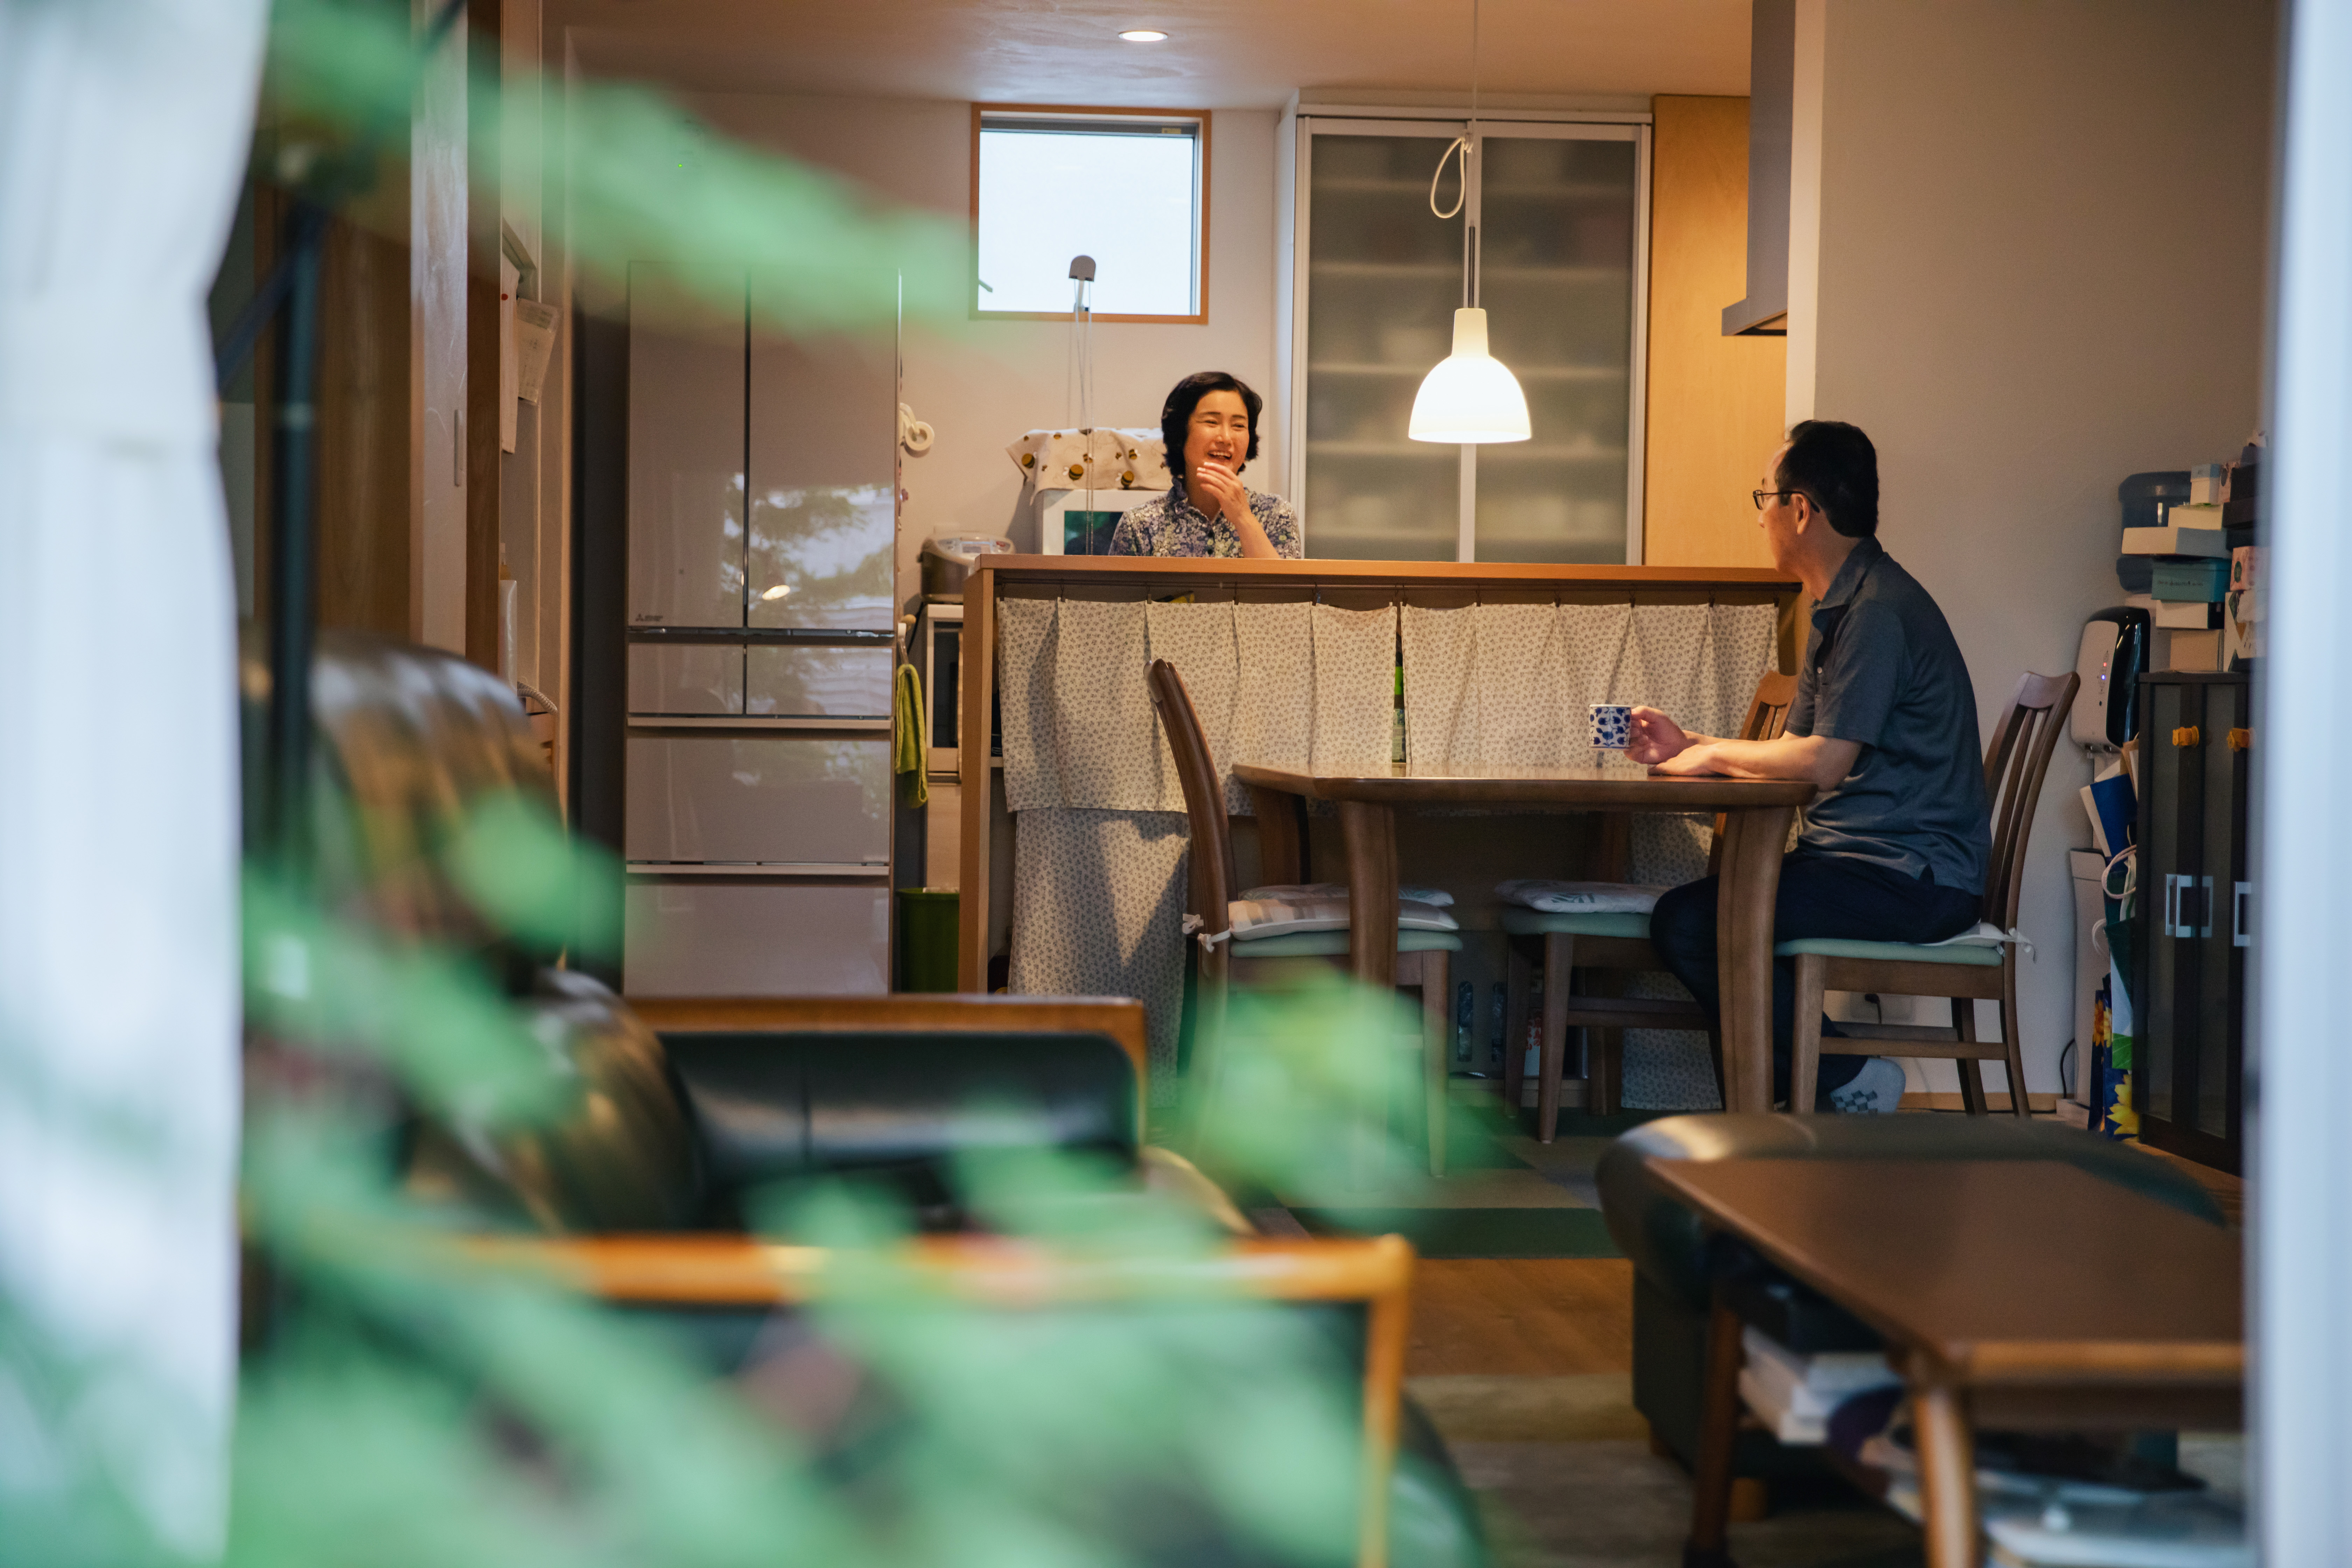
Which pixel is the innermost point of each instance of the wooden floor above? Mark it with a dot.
(1530, 1317)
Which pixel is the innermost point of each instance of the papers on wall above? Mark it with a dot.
(534, 342)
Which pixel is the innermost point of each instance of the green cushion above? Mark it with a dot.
(1522, 921)
(1980, 957)
(1334, 943)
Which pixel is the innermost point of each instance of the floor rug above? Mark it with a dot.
(1473, 1232)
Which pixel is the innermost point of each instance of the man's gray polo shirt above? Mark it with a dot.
(1882, 670)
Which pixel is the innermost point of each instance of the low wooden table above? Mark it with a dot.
(1758, 829)
(2129, 1316)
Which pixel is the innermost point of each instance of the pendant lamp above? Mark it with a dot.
(1470, 396)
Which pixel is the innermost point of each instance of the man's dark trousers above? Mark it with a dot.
(1820, 896)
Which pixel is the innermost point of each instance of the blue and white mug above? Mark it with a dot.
(1612, 726)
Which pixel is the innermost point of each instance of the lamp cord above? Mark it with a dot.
(1461, 145)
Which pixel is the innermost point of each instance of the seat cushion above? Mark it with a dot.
(767, 1105)
(1252, 918)
(1974, 953)
(1278, 943)
(1580, 897)
(1667, 1243)
(1415, 892)
(1538, 922)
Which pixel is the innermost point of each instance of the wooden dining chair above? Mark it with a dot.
(1966, 974)
(1557, 945)
(1425, 958)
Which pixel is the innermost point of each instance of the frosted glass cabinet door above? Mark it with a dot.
(823, 440)
(1383, 278)
(686, 457)
(1558, 215)
(1555, 275)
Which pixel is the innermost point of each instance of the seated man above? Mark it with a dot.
(1896, 846)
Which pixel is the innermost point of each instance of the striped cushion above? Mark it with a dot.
(1535, 922)
(1334, 943)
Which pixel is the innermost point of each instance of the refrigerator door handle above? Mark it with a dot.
(2240, 927)
(2205, 906)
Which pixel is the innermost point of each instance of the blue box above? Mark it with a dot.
(2197, 581)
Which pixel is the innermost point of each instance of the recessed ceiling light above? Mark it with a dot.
(1144, 35)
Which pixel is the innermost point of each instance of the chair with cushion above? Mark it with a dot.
(1977, 965)
(1242, 940)
(1609, 932)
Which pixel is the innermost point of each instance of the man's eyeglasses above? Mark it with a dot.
(1758, 495)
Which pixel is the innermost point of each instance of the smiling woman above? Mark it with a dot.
(1209, 426)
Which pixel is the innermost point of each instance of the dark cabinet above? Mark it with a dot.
(2196, 905)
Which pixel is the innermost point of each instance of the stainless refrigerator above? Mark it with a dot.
(760, 642)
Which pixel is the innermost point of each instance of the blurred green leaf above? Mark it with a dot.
(513, 860)
(647, 182)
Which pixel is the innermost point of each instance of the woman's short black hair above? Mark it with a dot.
(1176, 414)
(1834, 466)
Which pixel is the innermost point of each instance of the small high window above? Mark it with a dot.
(1129, 187)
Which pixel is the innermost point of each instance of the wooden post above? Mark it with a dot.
(977, 671)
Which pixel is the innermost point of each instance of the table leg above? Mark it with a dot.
(1371, 832)
(1947, 1449)
(1281, 835)
(1743, 936)
(1718, 1439)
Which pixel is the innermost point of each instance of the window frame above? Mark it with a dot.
(981, 112)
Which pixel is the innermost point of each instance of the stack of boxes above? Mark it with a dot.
(2189, 559)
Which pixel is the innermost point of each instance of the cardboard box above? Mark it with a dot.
(2195, 653)
(2173, 539)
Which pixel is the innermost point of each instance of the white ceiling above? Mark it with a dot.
(1220, 54)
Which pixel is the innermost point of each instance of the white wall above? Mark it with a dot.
(982, 385)
(2042, 252)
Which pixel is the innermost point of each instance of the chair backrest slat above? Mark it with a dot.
(1213, 880)
(2015, 763)
(1768, 719)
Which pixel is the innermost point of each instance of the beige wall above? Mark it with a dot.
(2042, 244)
(997, 379)
(1715, 402)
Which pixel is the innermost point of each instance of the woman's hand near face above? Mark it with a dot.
(1222, 494)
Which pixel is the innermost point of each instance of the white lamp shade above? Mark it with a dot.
(1469, 396)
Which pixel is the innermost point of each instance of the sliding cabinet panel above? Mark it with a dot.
(2211, 1081)
(1558, 220)
(818, 682)
(696, 678)
(1383, 278)
(2166, 1016)
(745, 936)
(739, 796)
(686, 457)
(824, 444)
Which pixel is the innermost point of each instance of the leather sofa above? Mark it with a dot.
(683, 1115)
(1676, 1264)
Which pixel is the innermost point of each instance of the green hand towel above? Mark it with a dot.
(908, 756)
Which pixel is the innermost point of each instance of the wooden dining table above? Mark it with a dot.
(1757, 815)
